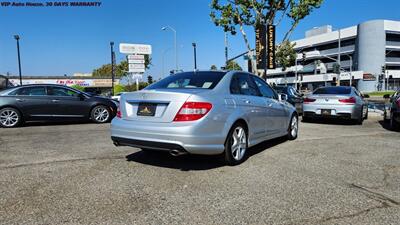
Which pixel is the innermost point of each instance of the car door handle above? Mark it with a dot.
(55, 100)
(246, 101)
(19, 100)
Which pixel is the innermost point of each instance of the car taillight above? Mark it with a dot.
(351, 100)
(308, 100)
(398, 102)
(119, 114)
(191, 111)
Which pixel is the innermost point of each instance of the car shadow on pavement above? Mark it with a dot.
(385, 125)
(55, 123)
(331, 121)
(194, 162)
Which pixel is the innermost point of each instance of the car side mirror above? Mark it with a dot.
(386, 96)
(283, 97)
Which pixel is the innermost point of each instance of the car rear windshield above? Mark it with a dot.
(333, 91)
(202, 80)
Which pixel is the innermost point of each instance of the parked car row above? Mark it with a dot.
(52, 102)
(200, 112)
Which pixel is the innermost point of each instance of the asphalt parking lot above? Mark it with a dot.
(334, 173)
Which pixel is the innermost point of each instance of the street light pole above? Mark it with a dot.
(175, 45)
(226, 48)
(19, 59)
(195, 55)
(112, 67)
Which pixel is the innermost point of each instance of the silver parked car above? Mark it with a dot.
(337, 102)
(204, 112)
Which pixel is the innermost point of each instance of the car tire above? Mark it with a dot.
(385, 117)
(360, 119)
(366, 115)
(10, 117)
(293, 129)
(394, 125)
(100, 114)
(236, 145)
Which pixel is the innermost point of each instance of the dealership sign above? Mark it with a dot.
(261, 48)
(271, 47)
(135, 49)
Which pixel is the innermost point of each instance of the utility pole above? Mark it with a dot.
(226, 48)
(19, 59)
(112, 67)
(195, 55)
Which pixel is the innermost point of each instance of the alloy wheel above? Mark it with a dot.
(239, 143)
(294, 127)
(101, 114)
(9, 118)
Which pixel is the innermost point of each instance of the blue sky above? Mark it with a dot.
(66, 40)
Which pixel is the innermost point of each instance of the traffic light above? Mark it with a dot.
(304, 56)
(383, 69)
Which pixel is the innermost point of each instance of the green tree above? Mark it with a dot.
(213, 67)
(286, 55)
(118, 88)
(78, 87)
(132, 87)
(232, 65)
(120, 69)
(230, 14)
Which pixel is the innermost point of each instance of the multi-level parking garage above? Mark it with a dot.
(362, 51)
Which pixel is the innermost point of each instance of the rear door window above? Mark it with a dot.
(31, 91)
(264, 88)
(243, 85)
(62, 92)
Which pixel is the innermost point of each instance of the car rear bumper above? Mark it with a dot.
(341, 111)
(183, 136)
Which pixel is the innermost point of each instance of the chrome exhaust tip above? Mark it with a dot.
(176, 152)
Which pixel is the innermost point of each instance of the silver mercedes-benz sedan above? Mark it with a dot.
(204, 112)
(336, 102)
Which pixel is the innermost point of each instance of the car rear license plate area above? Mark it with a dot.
(326, 112)
(146, 109)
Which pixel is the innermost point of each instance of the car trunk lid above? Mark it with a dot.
(159, 105)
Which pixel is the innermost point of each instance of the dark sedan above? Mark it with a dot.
(48, 102)
(392, 113)
(294, 97)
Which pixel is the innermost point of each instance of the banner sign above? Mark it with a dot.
(261, 46)
(271, 47)
(67, 82)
